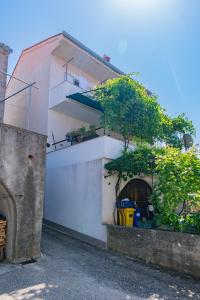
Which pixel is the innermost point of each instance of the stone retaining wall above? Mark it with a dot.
(22, 162)
(172, 250)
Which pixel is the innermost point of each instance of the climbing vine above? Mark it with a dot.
(176, 194)
(131, 163)
(176, 191)
(134, 112)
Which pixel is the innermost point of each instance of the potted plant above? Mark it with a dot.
(81, 134)
(90, 133)
(73, 136)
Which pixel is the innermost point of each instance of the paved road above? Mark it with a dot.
(70, 269)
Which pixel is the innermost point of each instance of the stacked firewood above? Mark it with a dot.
(2, 238)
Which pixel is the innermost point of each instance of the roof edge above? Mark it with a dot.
(82, 46)
(76, 42)
(28, 48)
(91, 52)
(43, 41)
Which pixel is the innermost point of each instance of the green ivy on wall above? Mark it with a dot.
(176, 194)
(134, 112)
(176, 190)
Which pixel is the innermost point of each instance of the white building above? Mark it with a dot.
(78, 197)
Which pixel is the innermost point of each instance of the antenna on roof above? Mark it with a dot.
(187, 140)
(66, 66)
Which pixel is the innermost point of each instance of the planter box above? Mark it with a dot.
(172, 250)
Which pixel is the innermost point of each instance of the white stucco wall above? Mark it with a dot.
(38, 65)
(33, 66)
(60, 124)
(73, 197)
(98, 148)
(77, 195)
(43, 64)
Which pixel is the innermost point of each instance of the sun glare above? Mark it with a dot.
(139, 4)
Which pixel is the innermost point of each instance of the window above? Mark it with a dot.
(76, 81)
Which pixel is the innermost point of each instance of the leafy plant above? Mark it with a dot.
(72, 136)
(132, 163)
(91, 131)
(192, 220)
(82, 131)
(174, 129)
(176, 193)
(81, 134)
(131, 110)
(138, 162)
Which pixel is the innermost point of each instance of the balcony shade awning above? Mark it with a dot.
(85, 100)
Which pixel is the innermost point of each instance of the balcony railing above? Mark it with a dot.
(65, 143)
(78, 82)
(69, 86)
(59, 92)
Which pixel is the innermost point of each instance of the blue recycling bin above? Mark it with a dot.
(137, 217)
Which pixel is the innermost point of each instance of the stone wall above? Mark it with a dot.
(172, 250)
(22, 160)
(4, 52)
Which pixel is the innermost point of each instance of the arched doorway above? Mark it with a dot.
(8, 212)
(139, 191)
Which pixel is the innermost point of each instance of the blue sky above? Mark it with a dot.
(160, 39)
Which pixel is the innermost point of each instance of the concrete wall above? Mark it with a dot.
(76, 175)
(22, 158)
(75, 193)
(4, 52)
(73, 198)
(172, 250)
(98, 148)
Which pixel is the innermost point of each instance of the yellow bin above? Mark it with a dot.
(126, 216)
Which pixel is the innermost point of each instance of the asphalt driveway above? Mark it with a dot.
(70, 269)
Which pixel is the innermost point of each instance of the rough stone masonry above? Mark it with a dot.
(22, 161)
(171, 250)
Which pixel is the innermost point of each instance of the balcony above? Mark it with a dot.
(75, 186)
(59, 92)
(97, 148)
(83, 135)
(81, 110)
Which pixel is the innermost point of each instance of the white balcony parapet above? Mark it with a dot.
(59, 92)
(97, 148)
(60, 101)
